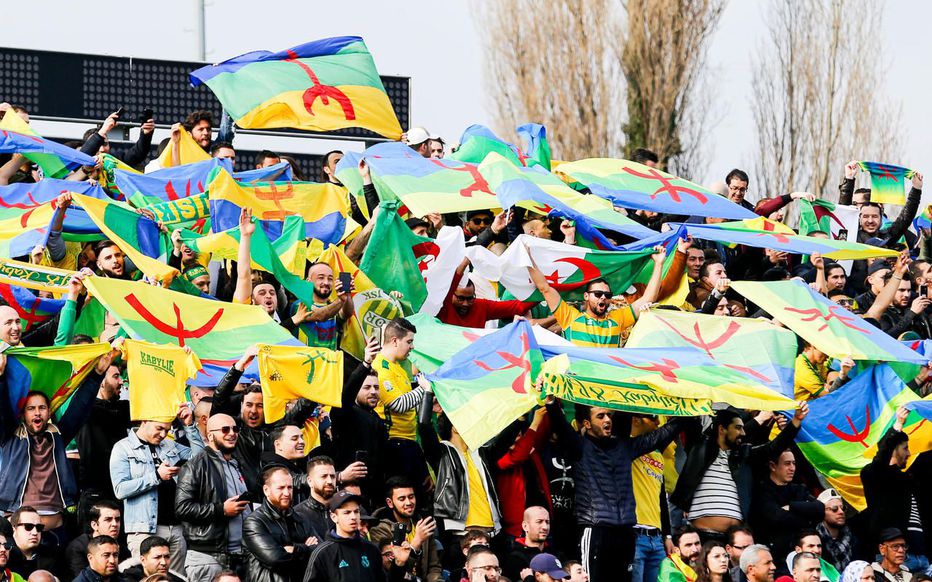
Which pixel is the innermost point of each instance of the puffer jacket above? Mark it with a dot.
(604, 490)
(266, 532)
(14, 445)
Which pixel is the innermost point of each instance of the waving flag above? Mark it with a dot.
(679, 372)
(32, 309)
(478, 141)
(838, 221)
(823, 323)
(568, 268)
(843, 427)
(167, 184)
(537, 148)
(56, 372)
(888, 182)
(192, 213)
(487, 385)
(225, 245)
(318, 86)
(17, 137)
(323, 207)
(739, 233)
(189, 151)
(280, 172)
(217, 332)
(289, 372)
(756, 348)
(32, 276)
(632, 185)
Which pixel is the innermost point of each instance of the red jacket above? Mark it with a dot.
(482, 310)
(512, 479)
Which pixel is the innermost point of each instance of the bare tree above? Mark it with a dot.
(818, 95)
(663, 57)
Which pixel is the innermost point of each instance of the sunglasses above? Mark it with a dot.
(39, 527)
(6, 546)
(600, 294)
(227, 429)
(478, 220)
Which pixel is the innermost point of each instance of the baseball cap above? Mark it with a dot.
(550, 565)
(891, 533)
(418, 135)
(828, 495)
(416, 222)
(341, 498)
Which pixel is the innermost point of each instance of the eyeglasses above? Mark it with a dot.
(480, 220)
(600, 294)
(39, 527)
(495, 569)
(6, 546)
(227, 429)
(898, 547)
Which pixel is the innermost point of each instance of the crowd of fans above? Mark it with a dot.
(566, 493)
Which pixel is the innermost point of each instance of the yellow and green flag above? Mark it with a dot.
(289, 372)
(188, 151)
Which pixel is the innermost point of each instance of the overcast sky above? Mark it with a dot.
(438, 45)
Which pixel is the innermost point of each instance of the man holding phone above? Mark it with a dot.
(320, 324)
(402, 527)
(97, 142)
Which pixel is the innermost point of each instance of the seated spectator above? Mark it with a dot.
(546, 567)
(680, 565)
(892, 550)
(7, 575)
(738, 538)
(104, 520)
(757, 564)
(482, 565)
(536, 528)
(838, 543)
(103, 557)
(712, 565)
(806, 567)
(154, 557)
(28, 553)
(576, 571)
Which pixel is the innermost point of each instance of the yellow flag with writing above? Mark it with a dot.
(188, 151)
(289, 372)
(158, 374)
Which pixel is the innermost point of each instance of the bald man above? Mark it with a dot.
(536, 527)
(212, 480)
(11, 328)
(42, 576)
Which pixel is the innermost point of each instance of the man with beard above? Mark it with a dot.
(838, 542)
(401, 502)
(105, 520)
(678, 567)
(279, 545)
(7, 575)
(103, 556)
(715, 485)
(536, 527)
(107, 425)
(288, 445)
(596, 326)
(320, 324)
(211, 504)
(322, 479)
(906, 313)
(111, 262)
(36, 471)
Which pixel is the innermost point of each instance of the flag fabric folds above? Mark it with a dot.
(167, 184)
(192, 213)
(823, 323)
(487, 385)
(289, 372)
(56, 372)
(16, 137)
(750, 346)
(189, 151)
(32, 309)
(164, 371)
(888, 182)
(225, 245)
(32, 276)
(321, 85)
(632, 185)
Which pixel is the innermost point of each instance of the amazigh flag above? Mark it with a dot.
(289, 372)
(888, 182)
(478, 141)
(136, 235)
(225, 245)
(32, 309)
(632, 185)
(189, 151)
(484, 387)
(438, 342)
(679, 372)
(567, 268)
(323, 207)
(192, 213)
(739, 233)
(582, 381)
(321, 85)
(823, 323)
(542, 192)
(56, 372)
(17, 137)
(840, 435)
(219, 333)
(167, 184)
(536, 146)
(280, 172)
(756, 348)
(373, 306)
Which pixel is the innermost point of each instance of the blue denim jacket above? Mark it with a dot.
(135, 480)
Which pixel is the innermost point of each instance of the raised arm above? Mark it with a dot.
(905, 219)
(243, 292)
(550, 294)
(653, 286)
(885, 298)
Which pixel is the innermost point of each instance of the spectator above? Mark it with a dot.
(328, 170)
(808, 541)
(320, 324)
(806, 567)
(267, 158)
(436, 146)
(576, 571)
(738, 539)
(482, 565)
(838, 542)
(757, 564)
(858, 571)
(547, 568)
(107, 424)
(461, 306)
(892, 549)
(401, 502)
(96, 141)
(7, 575)
(278, 545)
(288, 445)
(28, 554)
(104, 520)
(211, 503)
(419, 140)
(536, 527)
(198, 124)
(155, 558)
(713, 564)
(223, 151)
(103, 556)
(521, 479)
(144, 468)
(680, 565)
(322, 480)
(653, 522)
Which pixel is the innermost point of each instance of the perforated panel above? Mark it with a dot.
(19, 77)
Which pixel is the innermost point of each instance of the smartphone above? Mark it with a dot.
(923, 290)
(362, 456)
(244, 497)
(121, 111)
(399, 531)
(181, 463)
(147, 114)
(346, 280)
(378, 333)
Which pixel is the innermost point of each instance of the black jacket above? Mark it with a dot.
(776, 526)
(316, 517)
(298, 470)
(702, 454)
(136, 574)
(44, 559)
(604, 490)
(88, 575)
(108, 424)
(266, 532)
(425, 566)
(135, 156)
(896, 321)
(252, 442)
(348, 560)
(199, 502)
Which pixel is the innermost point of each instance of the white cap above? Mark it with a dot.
(828, 495)
(418, 135)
